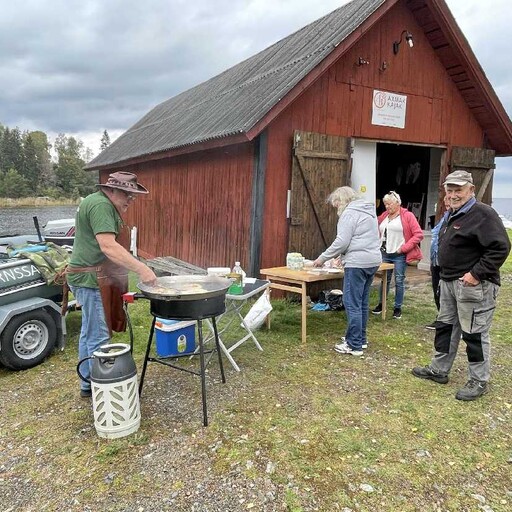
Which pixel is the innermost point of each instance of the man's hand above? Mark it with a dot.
(119, 255)
(468, 280)
(147, 276)
(318, 263)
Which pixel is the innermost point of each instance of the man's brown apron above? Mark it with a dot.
(112, 282)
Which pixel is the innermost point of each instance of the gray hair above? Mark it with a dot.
(393, 197)
(343, 196)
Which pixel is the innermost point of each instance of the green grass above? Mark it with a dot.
(317, 424)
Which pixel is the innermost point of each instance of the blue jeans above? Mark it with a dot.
(400, 266)
(94, 331)
(356, 299)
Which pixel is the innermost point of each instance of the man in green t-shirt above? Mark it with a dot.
(98, 244)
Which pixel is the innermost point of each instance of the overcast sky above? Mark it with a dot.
(80, 67)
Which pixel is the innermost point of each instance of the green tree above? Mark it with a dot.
(2, 130)
(11, 150)
(105, 141)
(69, 170)
(47, 177)
(2, 134)
(14, 184)
(30, 169)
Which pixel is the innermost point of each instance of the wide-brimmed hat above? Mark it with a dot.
(459, 178)
(125, 181)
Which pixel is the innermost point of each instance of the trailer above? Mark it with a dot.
(31, 324)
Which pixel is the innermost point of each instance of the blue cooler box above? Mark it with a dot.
(174, 338)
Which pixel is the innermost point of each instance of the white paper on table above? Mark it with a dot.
(250, 280)
(324, 270)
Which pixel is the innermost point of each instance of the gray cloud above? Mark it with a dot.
(81, 67)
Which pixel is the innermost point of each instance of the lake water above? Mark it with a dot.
(18, 221)
(503, 206)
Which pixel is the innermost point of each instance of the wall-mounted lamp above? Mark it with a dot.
(408, 39)
(362, 62)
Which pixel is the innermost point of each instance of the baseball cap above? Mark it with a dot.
(459, 177)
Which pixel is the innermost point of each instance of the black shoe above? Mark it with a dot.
(472, 390)
(85, 393)
(377, 310)
(397, 313)
(427, 372)
(431, 327)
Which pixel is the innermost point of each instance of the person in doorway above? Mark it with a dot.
(357, 243)
(98, 271)
(400, 236)
(434, 263)
(473, 245)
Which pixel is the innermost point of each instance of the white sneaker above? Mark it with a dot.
(364, 345)
(344, 348)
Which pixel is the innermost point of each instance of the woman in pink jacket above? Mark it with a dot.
(400, 236)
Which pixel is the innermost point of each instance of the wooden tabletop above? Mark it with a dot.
(308, 275)
(305, 275)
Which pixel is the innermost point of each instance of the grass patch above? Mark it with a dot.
(323, 430)
(7, 202)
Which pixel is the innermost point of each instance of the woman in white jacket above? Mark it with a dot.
(358, 244)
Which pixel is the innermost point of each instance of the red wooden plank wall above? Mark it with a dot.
(340, 101)
(198, 208)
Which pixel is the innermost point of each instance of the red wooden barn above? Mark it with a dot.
(379, 94)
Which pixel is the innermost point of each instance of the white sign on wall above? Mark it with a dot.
(388, 109)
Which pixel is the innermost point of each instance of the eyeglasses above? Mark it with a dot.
(130, 197)
(394, 194)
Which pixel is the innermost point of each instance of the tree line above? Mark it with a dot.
(27, 168)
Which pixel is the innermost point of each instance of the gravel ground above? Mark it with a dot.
(178, 463)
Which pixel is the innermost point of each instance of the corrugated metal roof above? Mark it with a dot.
(235, 100)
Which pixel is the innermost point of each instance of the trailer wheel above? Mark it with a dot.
(27, 340)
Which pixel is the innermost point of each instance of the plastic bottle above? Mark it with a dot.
(239, 270)
(238, 284)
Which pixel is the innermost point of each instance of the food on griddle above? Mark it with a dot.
(184, 288)
(162, 290)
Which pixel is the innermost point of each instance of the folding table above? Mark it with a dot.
(296, 281)
(234, 305)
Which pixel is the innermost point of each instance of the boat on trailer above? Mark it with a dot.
(31, 323)
(60, 232)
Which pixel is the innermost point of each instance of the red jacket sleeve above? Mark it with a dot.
(413, 235)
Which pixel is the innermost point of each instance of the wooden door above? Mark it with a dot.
(321, 163)
(480, 163)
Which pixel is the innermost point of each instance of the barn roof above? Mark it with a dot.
(233, 105)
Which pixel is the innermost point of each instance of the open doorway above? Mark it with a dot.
(412, 171)
(406, 170)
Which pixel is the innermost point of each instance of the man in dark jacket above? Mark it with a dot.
(473, 245)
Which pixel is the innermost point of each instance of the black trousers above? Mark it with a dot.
(435, 274)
